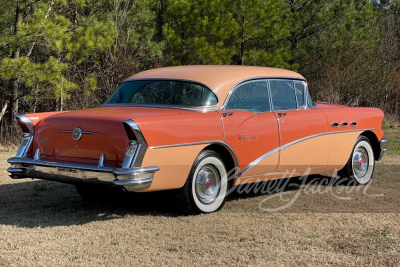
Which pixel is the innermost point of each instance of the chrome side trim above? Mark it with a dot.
(259, 159)
(224, 144)
(255, 162)
(141, 148)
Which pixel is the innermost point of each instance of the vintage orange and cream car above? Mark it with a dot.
(200, 130)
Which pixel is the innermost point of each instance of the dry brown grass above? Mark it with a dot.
(45, 223)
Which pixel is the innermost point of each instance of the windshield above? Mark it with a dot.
(164, 92)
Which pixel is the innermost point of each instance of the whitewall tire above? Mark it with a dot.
(361, 164)
(206, 187)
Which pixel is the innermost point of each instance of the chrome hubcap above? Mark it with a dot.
(360, 162)
(208, 184)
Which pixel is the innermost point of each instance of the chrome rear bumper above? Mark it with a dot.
(132, 179)
(383, 149)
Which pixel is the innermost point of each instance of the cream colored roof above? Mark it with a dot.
(219, 78)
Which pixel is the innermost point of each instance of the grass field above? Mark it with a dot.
(45, 223)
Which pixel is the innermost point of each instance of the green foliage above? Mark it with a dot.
(250, 32)
(200, 32)
(72, 54)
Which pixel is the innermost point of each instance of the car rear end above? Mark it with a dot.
(83, 147)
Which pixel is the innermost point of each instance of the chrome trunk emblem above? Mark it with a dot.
(77, 134)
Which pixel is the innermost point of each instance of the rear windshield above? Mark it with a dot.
(164, 92)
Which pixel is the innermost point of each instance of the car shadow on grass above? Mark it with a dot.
(44, 204)
(37, 203)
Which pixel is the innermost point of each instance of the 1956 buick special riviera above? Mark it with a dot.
(192, 128)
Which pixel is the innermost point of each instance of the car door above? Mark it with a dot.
(303, 139)
(251, 129)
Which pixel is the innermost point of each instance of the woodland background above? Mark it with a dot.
(72, 54)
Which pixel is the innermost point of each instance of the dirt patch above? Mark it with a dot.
(46, 223)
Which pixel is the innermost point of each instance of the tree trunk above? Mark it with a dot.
(15, 86)
(3, 111)
(242, 43)
(160, 21)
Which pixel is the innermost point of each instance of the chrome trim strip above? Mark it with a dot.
(271, 105)
(141, 149)
(226, 145)
(71, 131)
(252, 164)
(259, 159)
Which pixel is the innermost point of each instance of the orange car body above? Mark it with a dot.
(261, 146)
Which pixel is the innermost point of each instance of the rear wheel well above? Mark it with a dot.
(227, 159)
(374, 143)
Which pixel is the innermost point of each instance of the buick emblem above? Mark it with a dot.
(77, 134)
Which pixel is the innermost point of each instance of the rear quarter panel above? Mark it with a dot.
(167, 139)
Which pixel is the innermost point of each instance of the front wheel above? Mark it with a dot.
(206, 187)
(361, 164)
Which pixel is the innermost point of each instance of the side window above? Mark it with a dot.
(251, 96)
(299, 88)
(311, 104)
(283, 94)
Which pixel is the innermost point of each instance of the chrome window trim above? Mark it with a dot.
(226, 145)
(169, 79)
(256, 78)
(294, 91)
(137, 159)
(305, 94)
(255, 162)
(243, 83)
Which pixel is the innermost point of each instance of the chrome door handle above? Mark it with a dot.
(282, 114)
(227, 114)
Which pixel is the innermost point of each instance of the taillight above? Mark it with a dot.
(28, 130)
(137, 145)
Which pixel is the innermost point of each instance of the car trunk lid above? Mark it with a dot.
(103, 132)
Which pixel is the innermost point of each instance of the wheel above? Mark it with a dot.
(206, 188)
(361, 164)
(94, 192)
